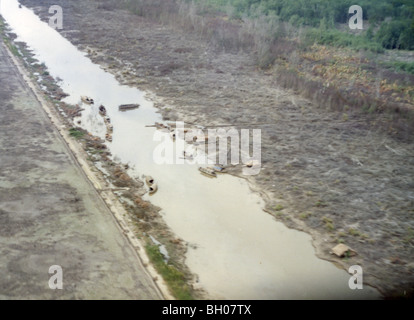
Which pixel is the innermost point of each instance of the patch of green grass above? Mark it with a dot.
(77, 134)
(402, 66)
(279, 214)
(305, 215)
(173, 277)
(12, 47)
(278, 207)
(357, 233)
(409, 237)
(341, 39)
(320, 204)
(328, 223)
(353, 232)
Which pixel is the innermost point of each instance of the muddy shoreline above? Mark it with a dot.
(50, 211)
(332, 176)
(137, 218)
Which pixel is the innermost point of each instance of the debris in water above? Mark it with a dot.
(126, 107)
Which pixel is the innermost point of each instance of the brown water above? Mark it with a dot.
(236, 249)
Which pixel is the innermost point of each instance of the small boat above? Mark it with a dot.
(149, 180)
(102, 111)
(87, 100)
(219, 168)
(108, 137)
(126, 107)
(208, 171)
(110, 128)
(153, 188)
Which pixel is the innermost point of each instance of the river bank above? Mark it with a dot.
(51, 214)
(332, 176)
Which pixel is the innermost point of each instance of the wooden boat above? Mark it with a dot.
(219, 168)
(149, 180)
(153, 188)
(87, 100)
(102, 111)
(126, 107)
(208, 171)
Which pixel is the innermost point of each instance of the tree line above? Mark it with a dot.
(389, 23)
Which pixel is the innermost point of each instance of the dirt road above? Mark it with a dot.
(51, 215)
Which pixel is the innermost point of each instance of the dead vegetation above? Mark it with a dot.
(341, 159)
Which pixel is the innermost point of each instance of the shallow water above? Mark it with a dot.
(237, 250)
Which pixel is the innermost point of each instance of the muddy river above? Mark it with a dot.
(236, 249)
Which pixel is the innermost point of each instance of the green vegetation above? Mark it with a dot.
(357, 233)
(320, 204)
(13, 49)
(402, 66)
(338, 38)
(305, 215)
(76, 133)
(328, 223)
(278, 207)
(391, 23)
(409, 237)
(175, 279)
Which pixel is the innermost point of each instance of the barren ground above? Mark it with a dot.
(51, 215)
(332, 175)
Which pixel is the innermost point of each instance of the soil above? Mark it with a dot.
(51, 215)
(331, 174)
